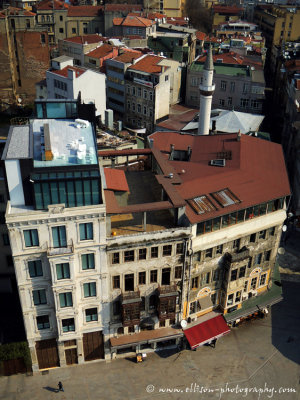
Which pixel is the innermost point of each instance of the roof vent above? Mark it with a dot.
(218, 162)
(170, 175)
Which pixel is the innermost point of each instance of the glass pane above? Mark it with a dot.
(208, 226)
(91, 261)
(82, 231)
(56, 110)
(34, 237)
(271, 206)
(84, 261)
(200, 228)
(43, 296)
(55, 237)
(62, 300)
(36, 298)
(216, 224)
(95, 191)
(31, 269)
(38, 266)
(262, 209)
(87, 192)
(62, 236)
(66, 269)
(86, 290)
(241, 215)
(88, 318)
(59, 272)
(79, 193)
(39, 110)
(69, 299)
(62, 192)
(38, 196)
(71, 193)
(89, 229)
(93, 289)
(54, 193)
(46, 194)
(224, 221)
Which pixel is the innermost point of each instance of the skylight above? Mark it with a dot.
(225, 197)
(201, 204)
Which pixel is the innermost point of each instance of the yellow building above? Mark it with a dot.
(221, 13)
(171, 8)
(278, 23)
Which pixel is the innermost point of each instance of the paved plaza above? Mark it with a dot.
(261, 355)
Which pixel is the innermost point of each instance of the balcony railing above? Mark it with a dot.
(63, 250)
(131, 297)
(240, 256)
(168, 290)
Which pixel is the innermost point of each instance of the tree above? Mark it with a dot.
(198, 15)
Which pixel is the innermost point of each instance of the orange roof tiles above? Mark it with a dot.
(85, 11)
(255, 174)
(52, 4)
(128, 56)
(16, 11)
(64, 71)
(132, 20)
(93, 38)
(101, 51)
(115, 179)
(200, 35)
(148, 64)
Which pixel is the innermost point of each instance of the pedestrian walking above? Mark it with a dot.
(60, 387)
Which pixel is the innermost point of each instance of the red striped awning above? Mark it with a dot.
(206, 331)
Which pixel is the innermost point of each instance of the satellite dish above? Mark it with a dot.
(281, 251)
(183, 324)
(284, 228)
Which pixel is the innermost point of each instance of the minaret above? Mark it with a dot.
(207, 89)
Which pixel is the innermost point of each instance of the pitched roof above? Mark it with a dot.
(16, 11)
(128, 56)
(64, 72)
(116, 180)
(94, 38)
(132, 20)
(255, 174)
(52, 5)
(233, 58)
(101, 51)
(85, 11)
(148, 64)
(200, 35)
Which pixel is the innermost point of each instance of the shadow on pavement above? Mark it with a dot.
(167, 353)
(286, 322)
(50, 389)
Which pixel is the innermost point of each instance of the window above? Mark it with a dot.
(195, 307)
(263, 279)
(86, 231)
(133, 91)
(221, 102)
(129, 255)
(195, 282)
(145, 110)
(262, 234)
(60, 18)
(128, 105)
(244, 103)
(153, 276)
(271, 231)
(208, 253)
(35, 268)
(242, 272)
(230, 299)
(142, 254)
(232, 86)
(116, 282)
(219, 249)
(5, 239)
(68, 325)
(133, 106)
(255, 104)
(245, 88)
(59, 236)
(63, 271)
(178, 272)
(89, 289)
(194, 81)
(116, 258)
(88, 261)
(139, 108)
(151, 96)
(167, 250)
(257, 259)
(253, 283)
(179, 248)
(236, 244)
(65, 299)
(142, 278)
(246, 286)
(43, 38)
(253, 238)
(238, 296)
(61, 30)
(223, 85)
(165, 276)
(233, 275)
(229, 101)
(139, 92)
(73, 30)
(129, 282)
(154, 252)
(268, 255)
(166, 78)
(42, 322)
(31, 238)
(39, 297)
(91, 314)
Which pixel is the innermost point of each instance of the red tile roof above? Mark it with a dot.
(128, 56)
(85, 11)
(94, 38)
(228, 58)
(16, 11)
(148, 64)
(177, 21)
(200, 35)
(64, 71)
(116, 180)
(52, 5)
(154, 16)
(227, 10)
(101, 51)
(255, 174)
(132, 20)
(123, 7)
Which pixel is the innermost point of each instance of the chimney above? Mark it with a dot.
(239, 136)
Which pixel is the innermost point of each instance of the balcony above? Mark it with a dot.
(63, 250)
(242, 255)
(168, 290)
(131, 308)
(131, 297)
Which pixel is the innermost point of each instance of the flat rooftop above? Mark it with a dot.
(71, 143)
